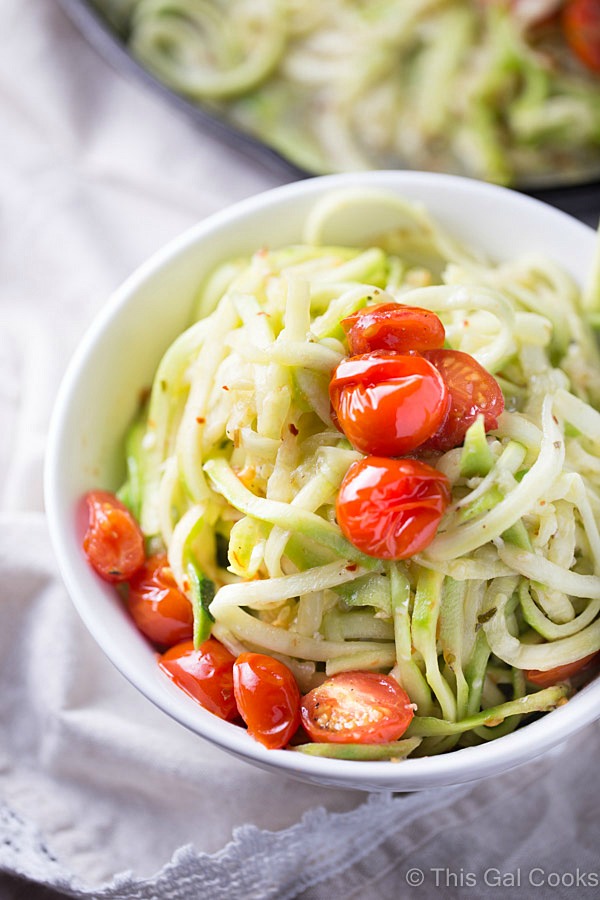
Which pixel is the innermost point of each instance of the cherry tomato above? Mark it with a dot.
(560, 673)
(392, 326)
(113, 542)
(391, 508)
(158, 608)
(581, 24)
(357, 708)
(473, 391)
(267, 697)
(388, 404)
(205, 674)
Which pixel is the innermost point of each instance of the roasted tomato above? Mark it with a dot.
(357, 708)
(388, 404)
(560, 673)
(267, 697)
(205, 674)
(392, 326)
(581, 24)
(158, 608)
(391, 508)
(473, 391)
(113, 542)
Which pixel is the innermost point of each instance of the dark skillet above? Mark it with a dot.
(580, 200)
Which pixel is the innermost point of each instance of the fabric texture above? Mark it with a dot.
(101, 795)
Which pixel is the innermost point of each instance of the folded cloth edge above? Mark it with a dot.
(254, 864)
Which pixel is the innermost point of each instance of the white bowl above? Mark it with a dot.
(117, 359)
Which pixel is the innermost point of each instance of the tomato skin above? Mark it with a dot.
(393, 327)
(581, 25)
(560, 673)
(158, 608)
(391, 508)
(267, 698)
(388, 404)
(113, 542)
(205, 674)
(357, 708)
(473, 391)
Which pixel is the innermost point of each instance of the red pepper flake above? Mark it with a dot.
(263, 313)
(224, 386)
(352, 567)
(200, 420)
(293, 429)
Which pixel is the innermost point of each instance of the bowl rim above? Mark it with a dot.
(466, 764)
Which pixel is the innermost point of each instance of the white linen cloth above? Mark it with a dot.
(101, 795)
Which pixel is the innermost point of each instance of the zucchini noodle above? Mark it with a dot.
(475, 88)
(234, 469)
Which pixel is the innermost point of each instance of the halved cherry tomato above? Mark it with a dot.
(388, 404)
(113, 542)
(357, 708)
(560, 673)
(581, 24)
(473, 391)
(158, 608)
(391, 508)
(393, 326)
(267, 697)
(205, 674)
